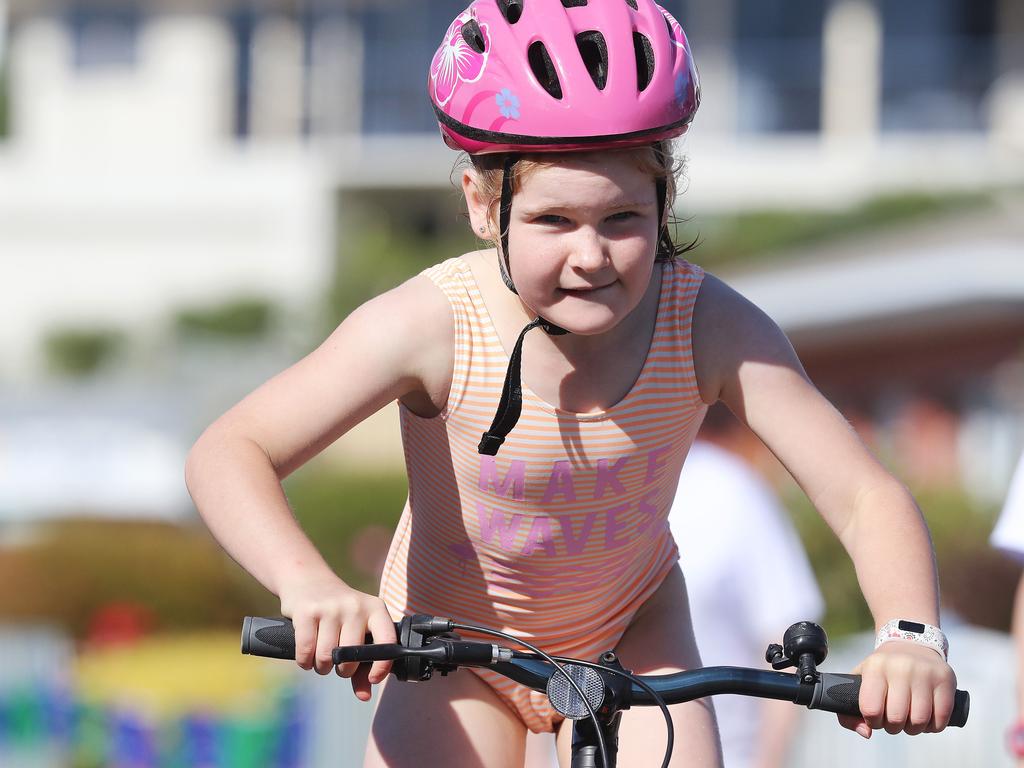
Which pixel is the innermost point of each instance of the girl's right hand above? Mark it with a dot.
(327, 613)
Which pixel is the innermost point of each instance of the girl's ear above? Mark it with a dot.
(476, 205)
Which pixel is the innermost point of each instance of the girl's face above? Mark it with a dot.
(582, 239)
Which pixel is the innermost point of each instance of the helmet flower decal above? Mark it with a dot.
(678, 36)
(456, 61)
(508, 103)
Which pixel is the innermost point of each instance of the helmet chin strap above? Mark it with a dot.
(511, 404)
(504, 220)
(510, 407)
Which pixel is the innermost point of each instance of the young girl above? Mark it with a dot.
(548, 518)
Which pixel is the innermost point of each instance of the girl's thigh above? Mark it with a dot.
(456, 720)
(659, 641)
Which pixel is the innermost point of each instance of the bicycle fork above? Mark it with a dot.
(608, 695)
(585, 753)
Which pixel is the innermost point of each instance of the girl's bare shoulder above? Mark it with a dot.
(722, 310)
(395, 346)
(410, 330)
(728, 330)
(405, 307)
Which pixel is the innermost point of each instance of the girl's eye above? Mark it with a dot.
(551, 219)
(622, 216)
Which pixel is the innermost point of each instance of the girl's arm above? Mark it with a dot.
(397, 345)
(743, 359)
(1017, 631)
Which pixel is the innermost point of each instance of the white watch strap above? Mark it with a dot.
(915, 632)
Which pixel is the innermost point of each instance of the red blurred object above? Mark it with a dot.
(118, 624)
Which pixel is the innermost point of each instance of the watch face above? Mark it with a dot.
(911, 626)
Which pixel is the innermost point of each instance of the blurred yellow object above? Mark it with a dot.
(168, 676)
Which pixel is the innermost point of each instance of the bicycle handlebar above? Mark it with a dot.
(831, 692)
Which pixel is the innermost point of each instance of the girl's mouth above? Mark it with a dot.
(585, 290)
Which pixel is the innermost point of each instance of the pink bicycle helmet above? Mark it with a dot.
(556, 75)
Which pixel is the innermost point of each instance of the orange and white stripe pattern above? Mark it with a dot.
(563, 535)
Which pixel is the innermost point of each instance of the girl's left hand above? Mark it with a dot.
(906, 688)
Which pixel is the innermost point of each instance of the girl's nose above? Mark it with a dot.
(588, 253)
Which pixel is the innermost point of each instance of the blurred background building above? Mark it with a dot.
(169, 154)
(191, 193)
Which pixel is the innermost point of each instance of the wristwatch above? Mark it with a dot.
(915, 632)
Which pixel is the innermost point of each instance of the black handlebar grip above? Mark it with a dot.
(840, 694)
(272, 638)
(275, 639)
(961, 709)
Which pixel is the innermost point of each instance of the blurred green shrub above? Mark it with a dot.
(377, 250)
(349, 517)
(78, 352)
(240, 318)
(5, 128)
(845, 609)
(178, 573)
(185, 580)
(748, 237)
(75, 568)
(977, 583)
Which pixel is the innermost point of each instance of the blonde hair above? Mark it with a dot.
(655, 159)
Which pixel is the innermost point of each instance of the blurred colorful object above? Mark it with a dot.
(171, 676)
(170, 702)
(119, 623)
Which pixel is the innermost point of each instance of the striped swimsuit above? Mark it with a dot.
(563, 535)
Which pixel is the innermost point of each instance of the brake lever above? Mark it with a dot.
(442, 654)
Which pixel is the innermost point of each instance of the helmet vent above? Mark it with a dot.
(544, 69)
(573, 3)
(473, 36)
(594, 52)
(512, 10)
(644, 60)
(632, 4)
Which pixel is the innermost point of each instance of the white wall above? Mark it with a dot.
(124, 195)
(125, 245)
(175, 100)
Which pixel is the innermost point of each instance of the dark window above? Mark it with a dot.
(400, 40)
(242, 22)
(104, 37)
(778, 60)
(938, 63)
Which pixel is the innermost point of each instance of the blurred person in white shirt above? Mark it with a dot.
(1009, 537)
(748, 579)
